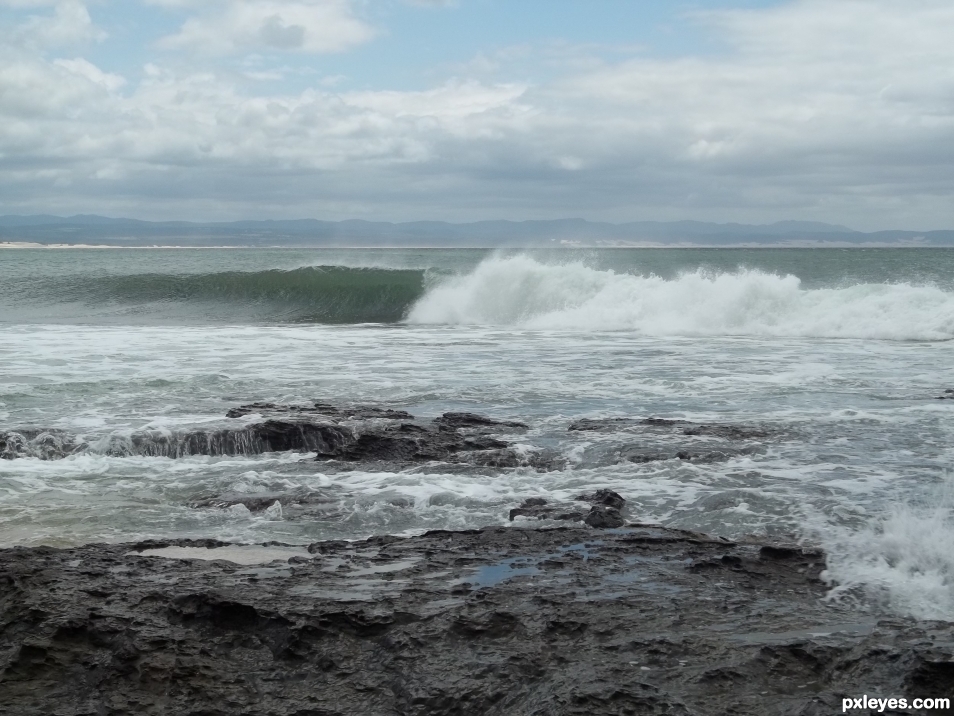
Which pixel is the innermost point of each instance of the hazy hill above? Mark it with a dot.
(91, 229)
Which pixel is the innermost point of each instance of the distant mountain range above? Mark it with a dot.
(101, 230)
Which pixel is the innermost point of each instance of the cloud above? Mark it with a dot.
(237, 26)
(69, 25)
(814, 110)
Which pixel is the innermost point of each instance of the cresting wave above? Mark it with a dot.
(516, 291)
(522, 292)
(314, 294)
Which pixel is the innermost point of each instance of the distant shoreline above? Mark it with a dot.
(12, 245)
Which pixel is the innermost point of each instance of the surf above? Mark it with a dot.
(521, 292)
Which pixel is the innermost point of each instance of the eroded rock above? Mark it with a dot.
(604, 510)
(38, 443)
(504, 622)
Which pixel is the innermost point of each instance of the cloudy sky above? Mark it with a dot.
(613, 110)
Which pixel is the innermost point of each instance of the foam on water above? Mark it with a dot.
(903, 561)
(521, 291)
(855, 425)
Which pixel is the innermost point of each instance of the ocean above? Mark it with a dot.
(835, 359)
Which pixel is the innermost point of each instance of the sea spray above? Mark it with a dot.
(903, 562)
(522, 292)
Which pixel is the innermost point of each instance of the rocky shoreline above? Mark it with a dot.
(574, 609)
(639, 620)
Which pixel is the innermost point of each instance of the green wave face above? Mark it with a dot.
(318, 294)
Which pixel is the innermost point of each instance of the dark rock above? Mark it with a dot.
(38, 443)
(456, 421)
(539, 509)
(258, 502)
(318, 409)
(376, 437)
(498, 621)
(411, 443)
(639, 456)
(269, 436)
(662, 422)
(586, 424)
(602, 517)
(604, 510)
(788, 553)
(603, 497)
(613, 424)
(729, 432)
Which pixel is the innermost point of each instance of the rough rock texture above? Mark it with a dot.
(499, 621)
(373, 436)
(360, 412)
(604, 512)
(389, 439)
(644, 440)
(42, 444)
(613, 424)
(298, 504)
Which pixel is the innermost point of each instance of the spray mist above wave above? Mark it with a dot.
(520, 291)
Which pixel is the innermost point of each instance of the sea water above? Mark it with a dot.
(839, 355)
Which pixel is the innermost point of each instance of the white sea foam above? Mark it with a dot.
(520, 291)
(904, 561)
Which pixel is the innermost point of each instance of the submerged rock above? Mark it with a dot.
(613, 424)
(362, 412)
(456, 421)
(504, 622)
(662, 439)
(372, 436)
(538, 509)
(260, 501)
(728, 432)
(603, 497)
(268, 436)
(38, 443)
(604, 511)
(603, 517)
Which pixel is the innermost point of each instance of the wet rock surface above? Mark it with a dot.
(377, 437)
(604, 509)
(648, 440)
(381, 438)
(615, 424)
(499, 621)
(38, 443)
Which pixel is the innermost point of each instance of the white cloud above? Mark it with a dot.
(235, 26)
(816, 111)
(90, 72)
(70, 24)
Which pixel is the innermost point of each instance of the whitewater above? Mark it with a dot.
(839, 356)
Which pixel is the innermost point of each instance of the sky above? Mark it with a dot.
(460, 110)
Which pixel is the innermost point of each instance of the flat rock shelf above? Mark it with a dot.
(508, 621)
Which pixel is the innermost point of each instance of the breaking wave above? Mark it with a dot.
(314, 294)
(520, 291)
(517, 291)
